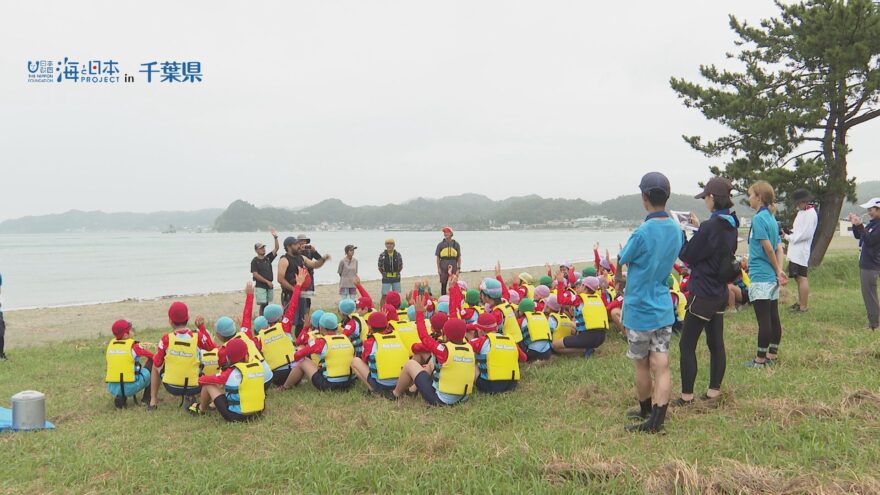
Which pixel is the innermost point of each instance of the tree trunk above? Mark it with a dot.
(829, 222)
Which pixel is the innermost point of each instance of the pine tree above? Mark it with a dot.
(809, 76)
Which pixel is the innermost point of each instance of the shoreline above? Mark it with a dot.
(36, 326)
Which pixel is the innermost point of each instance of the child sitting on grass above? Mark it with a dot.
(177, 360)
(590, 318)
(125, 375)
(237, 392)
(335, 353)
(497, 357)
(536, 342)
(383, 357)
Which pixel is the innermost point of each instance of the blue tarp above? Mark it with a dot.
(6, 420)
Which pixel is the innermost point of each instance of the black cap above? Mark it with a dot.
(801, 196)
(289, 241)
(717, 186)
(655, 180)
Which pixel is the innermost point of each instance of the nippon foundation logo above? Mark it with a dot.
(110, 71)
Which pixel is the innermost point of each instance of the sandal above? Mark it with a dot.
(679, 402)
(755, 364)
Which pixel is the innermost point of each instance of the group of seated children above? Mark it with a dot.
(440, 349)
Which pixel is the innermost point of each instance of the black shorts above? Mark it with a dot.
(590, 339)
(279, 376)
(795, 270)
(178, 391)
(223, 408)
(425, 385)
(534, 355)
(496, 387)
(323, 384)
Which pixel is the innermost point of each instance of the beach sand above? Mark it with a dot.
(37, 326)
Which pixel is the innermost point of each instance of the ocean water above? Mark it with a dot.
(66, 269)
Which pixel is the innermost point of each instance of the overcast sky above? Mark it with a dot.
(369, 101)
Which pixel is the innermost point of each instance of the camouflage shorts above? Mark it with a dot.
(643, 343)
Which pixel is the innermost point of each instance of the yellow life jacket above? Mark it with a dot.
(210, 362)
(456, 375)
(277, 347)
(390, 356)
(120, 361)
(511, 325)
(408, 333)
(530, 290)
(502, 361)
(362, 325)
(181, 362)
(313, 336)
(564, 326)
(676, 284)
(680, 305)
(253, 352)
(746, 280)
(539, 327)
(251, 392)
(337, 356)
(402, 315)
(594, 312)
(612, 292)
(449, 252)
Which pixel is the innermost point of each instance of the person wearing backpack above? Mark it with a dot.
(710, 255)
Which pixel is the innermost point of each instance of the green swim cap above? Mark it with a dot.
(472, 297)
(545, 280)
(589, 271)
(526, 305)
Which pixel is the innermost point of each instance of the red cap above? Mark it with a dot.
(438, 320)
(429, 306)
(377, 321)
(487, 322)
(120, 327)
(390, 312)
(454, 329)
(393, 298)
(236, 351)
(364, 303)
(178, 312)
(447, 230)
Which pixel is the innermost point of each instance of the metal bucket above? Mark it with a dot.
(28, 410)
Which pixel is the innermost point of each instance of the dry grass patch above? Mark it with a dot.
(585, 468)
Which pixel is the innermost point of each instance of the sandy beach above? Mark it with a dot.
(37, 326)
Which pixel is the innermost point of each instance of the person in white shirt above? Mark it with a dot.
(799, 244)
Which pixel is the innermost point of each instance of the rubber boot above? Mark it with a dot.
(642, 412)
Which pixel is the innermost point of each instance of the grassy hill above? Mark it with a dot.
(809, 425)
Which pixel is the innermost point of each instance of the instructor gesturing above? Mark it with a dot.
(448, 255)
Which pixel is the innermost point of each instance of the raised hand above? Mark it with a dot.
(419, 303)
(273, 232)
(301, 276)
(199, 321)
(249, 288)
(497, 268)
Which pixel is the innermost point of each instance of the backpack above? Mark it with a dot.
(728, 266)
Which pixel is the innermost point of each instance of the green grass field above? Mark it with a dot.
(811, 424)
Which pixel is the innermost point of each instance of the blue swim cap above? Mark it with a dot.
(411, 313)
(346, 306)
(273, 313)
(329, 321)
(260, 324)
(491, 288)
(443, 307)
(316, 318)
(225, 327)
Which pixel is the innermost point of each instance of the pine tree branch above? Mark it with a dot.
(862, 118)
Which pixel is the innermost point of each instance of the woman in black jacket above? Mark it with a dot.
(712, 245)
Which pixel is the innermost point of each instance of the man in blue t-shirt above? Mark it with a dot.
(648, 313)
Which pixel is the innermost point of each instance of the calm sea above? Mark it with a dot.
(65, 269)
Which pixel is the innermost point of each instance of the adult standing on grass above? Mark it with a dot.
(765, 270)
(298, 254)
(2, 326)
(712, 246)
(348, 270)
(799, 244)
(261, 270)
(390, 266)
(448, 255)
(869, 259)
(648, 314)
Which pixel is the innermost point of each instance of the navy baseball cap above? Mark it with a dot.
(289, 241)
(655, 180)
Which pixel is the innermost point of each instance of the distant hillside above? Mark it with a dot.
(466, 211)
(98, 221)
(864, 192)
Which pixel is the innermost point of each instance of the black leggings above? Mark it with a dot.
(690, 335)
(2, 331)
(769, 327)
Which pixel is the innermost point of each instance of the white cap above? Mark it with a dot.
(872, 203)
